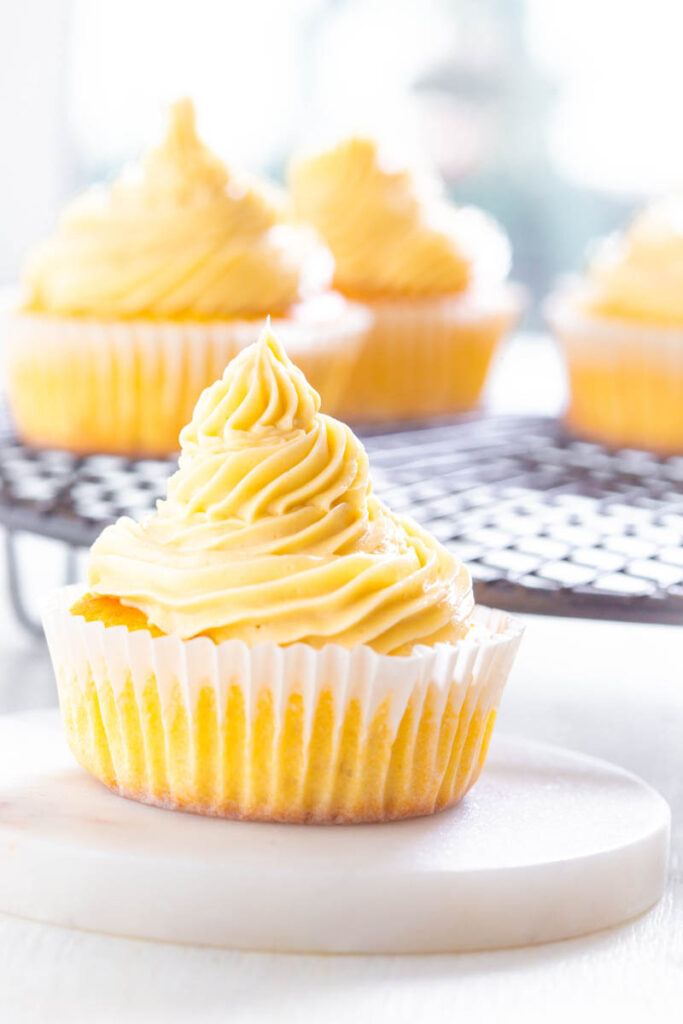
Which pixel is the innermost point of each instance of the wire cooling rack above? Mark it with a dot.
(546, 523)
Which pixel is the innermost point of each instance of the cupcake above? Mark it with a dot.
(434, 276)
(272, 642)
(620, 327)
(150, 286)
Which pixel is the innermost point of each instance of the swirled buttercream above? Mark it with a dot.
(270, 530)
(177, 237)
(390, 233)
(639, 274)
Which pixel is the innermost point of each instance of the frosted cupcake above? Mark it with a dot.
(150, 286)
(272, 642)
(433, 275)
(621, 331)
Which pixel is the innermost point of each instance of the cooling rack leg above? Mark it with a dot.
(16, 590)
(70, 566)
(22, 614)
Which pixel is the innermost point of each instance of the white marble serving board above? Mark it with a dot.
(548, 845)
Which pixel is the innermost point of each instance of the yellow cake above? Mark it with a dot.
(149, 287)
(272, 642)
(621, 331)
(432, 274)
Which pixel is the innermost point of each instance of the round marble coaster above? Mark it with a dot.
(548, 845)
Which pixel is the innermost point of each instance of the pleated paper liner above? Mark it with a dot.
(279, 733)
(428, 356)
(130, 386)
(625, 378)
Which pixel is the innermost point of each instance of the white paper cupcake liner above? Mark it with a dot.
(338, 724)
(130, 386)
(428, 356)
(625, 377)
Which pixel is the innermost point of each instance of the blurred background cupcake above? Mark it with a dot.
(621, 331)
(433, 274)
(149, 287)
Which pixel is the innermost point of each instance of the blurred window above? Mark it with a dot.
(557, 117)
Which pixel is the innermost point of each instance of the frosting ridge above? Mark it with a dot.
(270, 530)
(390, 233)
(639, 274)
(178, 236)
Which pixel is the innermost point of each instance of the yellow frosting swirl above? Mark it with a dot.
(270, 532)
(178, 237)
(639, 275)
(389, 233)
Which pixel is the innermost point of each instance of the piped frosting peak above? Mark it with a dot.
(261, 392)
(638, 274)
(183, 167)
(270, 530)
(391, 231)
(177, 236)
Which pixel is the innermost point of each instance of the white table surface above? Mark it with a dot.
(608, 689)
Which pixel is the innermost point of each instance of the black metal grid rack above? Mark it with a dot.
(546, 523)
